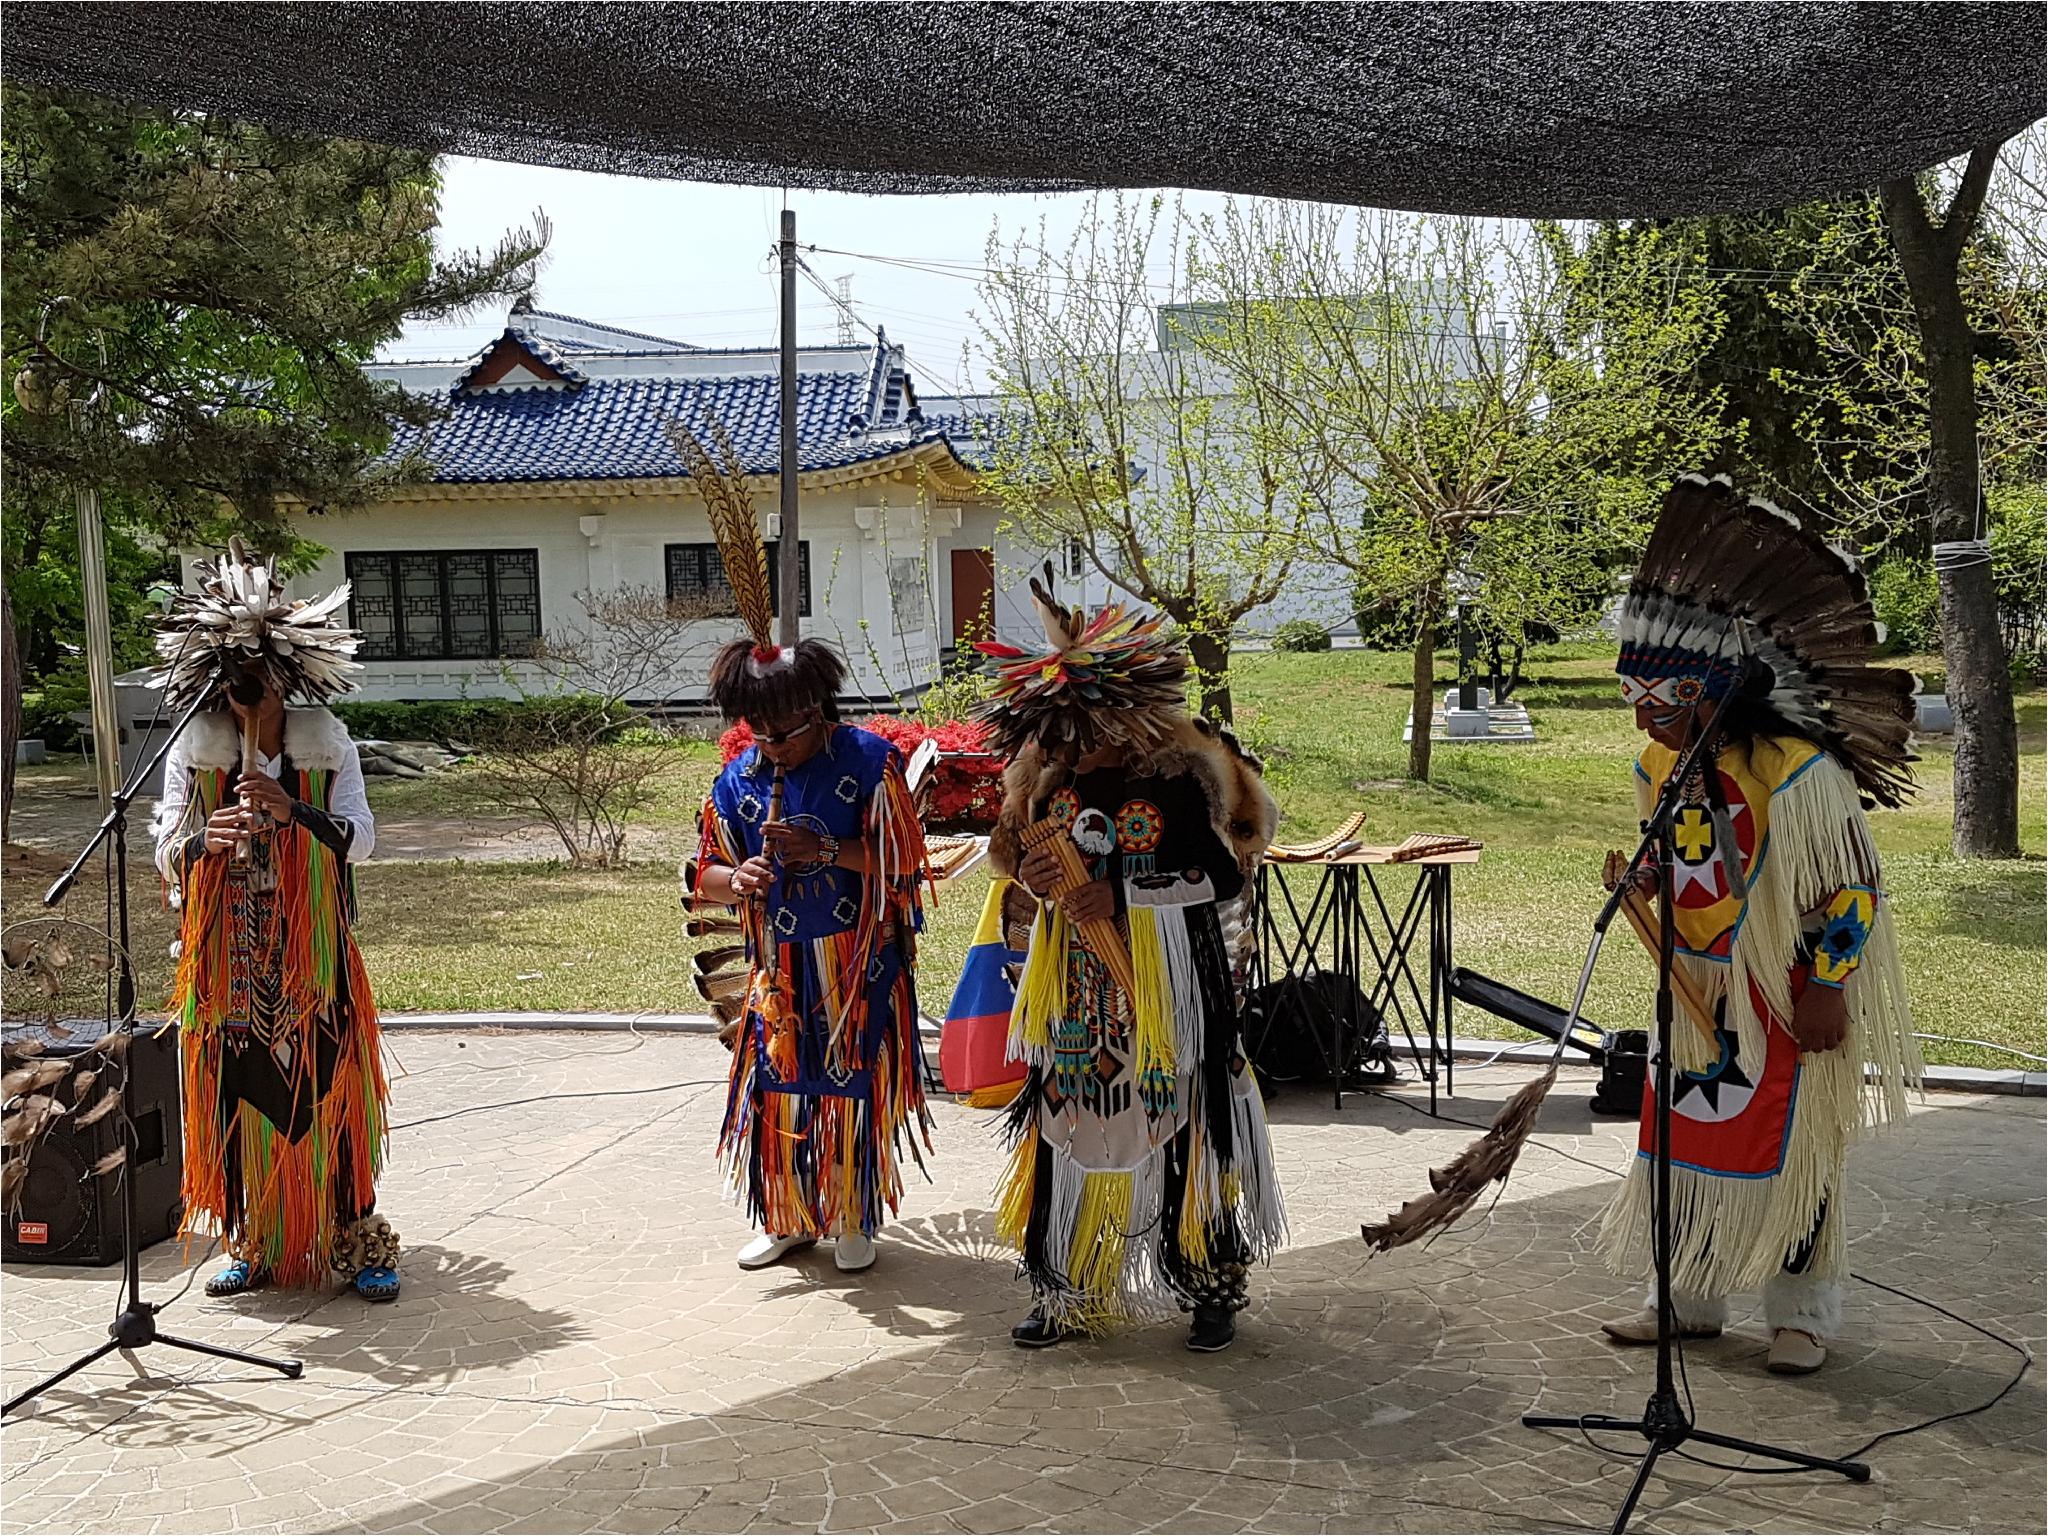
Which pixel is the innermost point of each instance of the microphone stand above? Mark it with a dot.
(1664, 1422)
(134, 1325)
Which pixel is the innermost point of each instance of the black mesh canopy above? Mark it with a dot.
(1506, 108)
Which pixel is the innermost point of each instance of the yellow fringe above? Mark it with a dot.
(995, 1096)
(1042, 990)
(1015, 1193)
(1153, 1000)
(1095, 1261)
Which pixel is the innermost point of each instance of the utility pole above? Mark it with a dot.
(790, 572)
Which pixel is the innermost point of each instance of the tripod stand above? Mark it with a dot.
(1664, 1422)
(134, 1325)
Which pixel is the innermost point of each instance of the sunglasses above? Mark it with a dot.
(777, 738)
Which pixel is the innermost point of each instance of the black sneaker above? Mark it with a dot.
(1212, 1329)
(1036, 1332)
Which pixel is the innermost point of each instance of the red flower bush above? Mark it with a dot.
(968, 783)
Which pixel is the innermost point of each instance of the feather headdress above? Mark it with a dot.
(240, 622)
(752, 678)
(1118, 679)
(1730, 582)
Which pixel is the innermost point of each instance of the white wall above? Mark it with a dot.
(611, 542)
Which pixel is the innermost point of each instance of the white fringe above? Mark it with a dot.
(1261, 1210)
(1735, 1234)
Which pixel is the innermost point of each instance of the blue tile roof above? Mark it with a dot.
(611, 429)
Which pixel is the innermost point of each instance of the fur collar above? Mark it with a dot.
(1241, 809)
(313, 739)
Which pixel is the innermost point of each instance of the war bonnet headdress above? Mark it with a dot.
(1732, 585)
(752, 678)
(1118, 679)
(239, 623)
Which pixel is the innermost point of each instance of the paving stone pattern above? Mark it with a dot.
(576, 1351)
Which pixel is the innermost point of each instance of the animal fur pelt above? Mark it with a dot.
(1241, 809)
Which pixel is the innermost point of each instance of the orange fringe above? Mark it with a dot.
(289, 1189)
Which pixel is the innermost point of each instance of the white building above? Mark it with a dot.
(551, 476)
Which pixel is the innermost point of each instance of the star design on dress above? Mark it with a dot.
(750, 807)
(846, 909)
(785, 921)
(849, 789)
(1724, 1079)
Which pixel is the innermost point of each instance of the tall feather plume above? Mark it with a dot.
(1727, 574)
(240, 621)
(716, 471)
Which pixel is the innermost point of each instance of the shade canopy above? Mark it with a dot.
(1567, 110)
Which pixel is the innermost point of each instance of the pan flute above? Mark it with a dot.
(1100, 935)
(1428, 845)
(1341, 840)
(946, 854)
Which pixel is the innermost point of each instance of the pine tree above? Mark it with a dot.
(237, 279)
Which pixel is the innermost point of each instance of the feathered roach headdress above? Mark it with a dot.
(1729, 584)
(240, 623)
(1118, 679)
(752, 678)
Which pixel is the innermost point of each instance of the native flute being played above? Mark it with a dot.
(811, 830)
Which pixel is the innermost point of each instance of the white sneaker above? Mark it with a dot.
(765, 1250)
(855, 1250)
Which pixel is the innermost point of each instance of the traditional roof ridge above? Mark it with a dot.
(662, 343)
(568, 375)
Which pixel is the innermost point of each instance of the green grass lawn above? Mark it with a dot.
(537, 936)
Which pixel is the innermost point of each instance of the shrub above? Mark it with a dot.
(469, 722)
(1908, 605)
(1301, 635)
(968, 791)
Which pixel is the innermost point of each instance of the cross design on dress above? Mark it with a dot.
(1694, 834)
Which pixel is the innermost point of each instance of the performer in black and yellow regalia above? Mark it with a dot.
(1142, 1177)
(1740, 614)
(261, 820)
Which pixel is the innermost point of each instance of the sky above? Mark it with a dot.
(692, 261)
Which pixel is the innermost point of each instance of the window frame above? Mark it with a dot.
(354, 561)
(707, 553)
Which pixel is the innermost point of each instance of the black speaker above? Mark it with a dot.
(63, 1213)
(1291, 1031)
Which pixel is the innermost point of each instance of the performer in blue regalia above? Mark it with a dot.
(812, 834)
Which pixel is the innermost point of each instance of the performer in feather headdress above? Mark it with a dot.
(1141, 1178)
(812, 834)
(1739, 613)
(262, 816)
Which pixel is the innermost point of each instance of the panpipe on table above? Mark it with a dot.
(947, 855)
(1429, 845)
(1100, 935)
(1341, 841)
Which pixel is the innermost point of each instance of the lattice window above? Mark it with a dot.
(445, 605)
(696, 576)
(907, 598)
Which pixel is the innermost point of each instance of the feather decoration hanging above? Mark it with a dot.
(240, 621)
(721, 481)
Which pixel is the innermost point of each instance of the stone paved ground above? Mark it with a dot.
(576, 1351)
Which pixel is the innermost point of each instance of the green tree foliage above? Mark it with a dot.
(226, 283)
(1118, 432)
(1501, 400)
